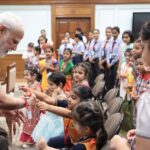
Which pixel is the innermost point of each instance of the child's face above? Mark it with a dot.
(90, 36)
(126, 38)
(30, 49)
(146, 52)
(115, 34)
(65, 40)
(36, 52)
(42, 41)
(96, 34)
(79, 74)
(137, 50)
(127, 56)
(108, 33)
(67, 55)
(51, 86)
(48, 53)
(73, 100)
(28, 76)
(140, 65)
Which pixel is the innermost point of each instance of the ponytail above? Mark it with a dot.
(101, 138)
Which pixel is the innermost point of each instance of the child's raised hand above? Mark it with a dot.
(42, 106)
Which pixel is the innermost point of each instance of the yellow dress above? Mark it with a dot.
(44, 83)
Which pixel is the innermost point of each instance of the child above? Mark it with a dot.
(78, 50)
(47, 65)
(51, 125)
(78, 93)
(32, 112)
(63, 46)
(125, 72)
(88, 53)
(105, 49)
(28, 54)
(96, 44)
(113, 58)
(41, 41)
(81, 74)
(128, 40)
(93, 132)
(66, 67)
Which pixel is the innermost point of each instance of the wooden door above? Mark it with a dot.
(64, 25)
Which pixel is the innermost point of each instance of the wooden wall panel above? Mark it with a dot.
(71, 11)
(9, 59)
(36, 2)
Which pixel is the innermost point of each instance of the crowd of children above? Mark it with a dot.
(62, 111)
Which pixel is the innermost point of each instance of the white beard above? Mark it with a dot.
(4, 44)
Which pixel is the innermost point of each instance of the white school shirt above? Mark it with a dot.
(27, 55)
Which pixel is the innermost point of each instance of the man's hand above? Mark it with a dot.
(15, 115)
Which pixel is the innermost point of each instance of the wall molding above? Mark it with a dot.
(38, 2)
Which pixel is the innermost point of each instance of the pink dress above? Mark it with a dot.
(30, 123)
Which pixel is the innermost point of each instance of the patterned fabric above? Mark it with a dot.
(30, 123)
(142, 84)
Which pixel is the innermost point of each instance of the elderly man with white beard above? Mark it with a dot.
(11, 33)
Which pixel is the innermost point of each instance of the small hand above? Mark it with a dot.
(131, 135)
(42, 106)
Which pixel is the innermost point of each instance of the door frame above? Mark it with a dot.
(71, 18)
(72, 11)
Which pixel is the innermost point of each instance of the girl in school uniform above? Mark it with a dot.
(88, 53)
(96, 44)
(78, 51)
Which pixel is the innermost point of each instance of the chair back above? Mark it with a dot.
(11, 78)
(98, 88)
(112, 124)
(112, 93)
(100, 77)
(115, 105)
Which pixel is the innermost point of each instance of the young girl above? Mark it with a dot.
(41, 41)
(66, 67)
(51, 125)
(113, 58)
(48, 65)
(128, 40)
(126, 70)
(78, 50)
(32, 113)
(93, 132)
(78, 93)
(81, 74)
(88, 53)
(105, 48)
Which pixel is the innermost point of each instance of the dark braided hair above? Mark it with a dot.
(89, 114)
